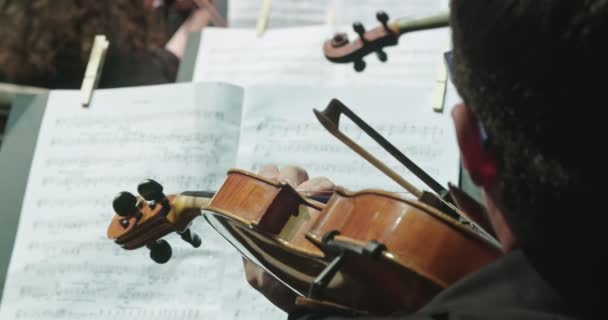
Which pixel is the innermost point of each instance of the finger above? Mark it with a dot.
(293, 175)
(269, 171)
(317, 186)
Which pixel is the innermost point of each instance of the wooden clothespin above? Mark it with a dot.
(216, 17)
(440, 86)
(94, 67)
(330, 15)
(263, 18)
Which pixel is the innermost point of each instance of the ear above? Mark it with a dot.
(478, 159)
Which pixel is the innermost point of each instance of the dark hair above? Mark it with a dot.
(46, 39)
(534, 72)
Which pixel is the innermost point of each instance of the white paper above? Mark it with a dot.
(279, 127)
(283, 13)
(293, 56)
(64, 267)
(294, 13)
(349, 11)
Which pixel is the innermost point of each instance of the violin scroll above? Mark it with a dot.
(144, 220)
(340, 50)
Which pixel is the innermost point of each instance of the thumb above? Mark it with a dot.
(316, 186)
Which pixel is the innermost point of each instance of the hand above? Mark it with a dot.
(196, 22)
(273, 289)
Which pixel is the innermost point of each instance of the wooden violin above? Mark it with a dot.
(340, 50)
(370, 252)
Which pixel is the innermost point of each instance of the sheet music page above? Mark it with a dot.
(294, 13)
(279, 127)
(283, 13)
(64, 267)
(349, 11)
(293, 56)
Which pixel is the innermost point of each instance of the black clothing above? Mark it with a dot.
(508, 289)
(122, 68)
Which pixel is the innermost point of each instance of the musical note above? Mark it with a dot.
(294, 56)
(295, 13)
(63, 266)
(293, 136)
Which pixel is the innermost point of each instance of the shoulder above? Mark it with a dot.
(124, 69)
(509, 288)
(481, 313)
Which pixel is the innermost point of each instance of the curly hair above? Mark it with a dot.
(534, 74)
(43, 38)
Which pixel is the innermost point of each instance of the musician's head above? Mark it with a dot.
(533, 73)
(45, 40)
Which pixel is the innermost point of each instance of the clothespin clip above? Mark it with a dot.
(330, 15)
(216, 17)
(440, 86)
(94, 67)
(263, 18)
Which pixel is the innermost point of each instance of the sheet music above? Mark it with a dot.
(284, 13)
(293, 56)
(279, 126)
(293, 13)
(349, 11)
(64, 267)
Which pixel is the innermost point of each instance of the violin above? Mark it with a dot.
(367, 252)
(340, 50)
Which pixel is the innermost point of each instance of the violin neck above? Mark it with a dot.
(404, 25)
(190, 200)
(199, 199)
(198, 194)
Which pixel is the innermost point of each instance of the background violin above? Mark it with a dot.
(340, 50)
(370, 252)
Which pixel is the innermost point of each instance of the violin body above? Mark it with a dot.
(266, 221)
(424, 252)
(369, 251)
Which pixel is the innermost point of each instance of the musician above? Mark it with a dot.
(532, 78)
(47, 43)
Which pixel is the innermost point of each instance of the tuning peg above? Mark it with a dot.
(359, 29)
(125, 204)
(151, 190)
(383, 18)
(359, 65)
(382, 55)
(160, 251)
